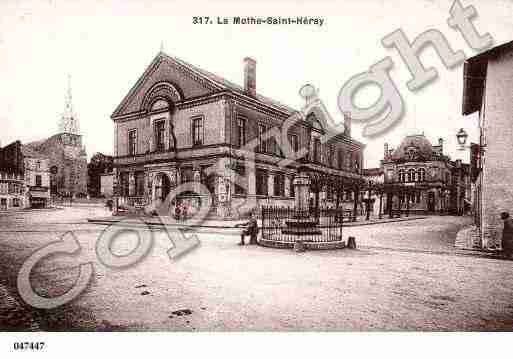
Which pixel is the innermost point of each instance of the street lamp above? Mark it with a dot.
(462, 136)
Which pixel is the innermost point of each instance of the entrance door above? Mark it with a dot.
(3, 204)
(165, 188)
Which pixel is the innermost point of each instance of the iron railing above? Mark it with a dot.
(285, 224)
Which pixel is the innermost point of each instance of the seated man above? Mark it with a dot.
(251, 230)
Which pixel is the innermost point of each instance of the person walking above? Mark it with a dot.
(251, 230)
(507, 235)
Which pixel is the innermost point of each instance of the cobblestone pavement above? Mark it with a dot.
(404, 276)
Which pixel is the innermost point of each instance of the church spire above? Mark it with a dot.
(69, 122)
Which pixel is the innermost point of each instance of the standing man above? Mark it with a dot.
(251, 230)
(507, 235)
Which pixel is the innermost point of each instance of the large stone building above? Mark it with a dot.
(488, 89)
(66, 154)
(443, 185)
(12, 180)
(181, 124)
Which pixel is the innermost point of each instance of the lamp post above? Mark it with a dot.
(462, 136)
(368, 202)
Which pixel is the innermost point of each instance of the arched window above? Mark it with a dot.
(401, 175)
(411, 175)
(422, 175)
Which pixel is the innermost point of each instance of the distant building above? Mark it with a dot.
(443, 185)
(66, 155)
(37, 178)
(12, 181)
(488, 89)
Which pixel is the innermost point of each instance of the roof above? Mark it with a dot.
(420, 142)
(230, 85)
(218, 82)
(474, 74)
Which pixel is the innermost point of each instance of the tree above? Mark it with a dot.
(98, 165)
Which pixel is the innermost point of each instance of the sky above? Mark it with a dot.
(107, 45)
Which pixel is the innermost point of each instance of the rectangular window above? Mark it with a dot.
(240, 187)
(279, 185)
(139, 183)
(261, 182)
(317, 150)
(38, 181)
(124, 185)
(331, 151)
(294, 142)
(241, 124)
(159, 135)
(197, 131)
(262, 144)
(132, 142)
(291, 188)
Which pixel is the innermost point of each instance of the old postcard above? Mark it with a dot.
(284, 166)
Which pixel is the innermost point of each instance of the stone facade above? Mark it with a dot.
(180, 124)
(488, 84)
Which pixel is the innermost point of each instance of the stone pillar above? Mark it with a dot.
(287, 186)
(131, 184)
(302, 192)
(251, 183)
(270, 185)
(196, 175)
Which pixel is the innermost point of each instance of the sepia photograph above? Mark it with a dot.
(335, 170)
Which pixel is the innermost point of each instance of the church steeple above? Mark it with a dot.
(69, 122)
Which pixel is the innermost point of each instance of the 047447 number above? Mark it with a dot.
(29, 345)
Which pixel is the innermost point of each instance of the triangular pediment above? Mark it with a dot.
(169, 77)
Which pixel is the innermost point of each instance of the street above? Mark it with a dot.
(402, 276)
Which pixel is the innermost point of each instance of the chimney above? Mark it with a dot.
(347, 123)
(386, 151)
(250, 76)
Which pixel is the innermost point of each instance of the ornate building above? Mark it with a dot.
(181, 124)
(442, 184)
(66, 154)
